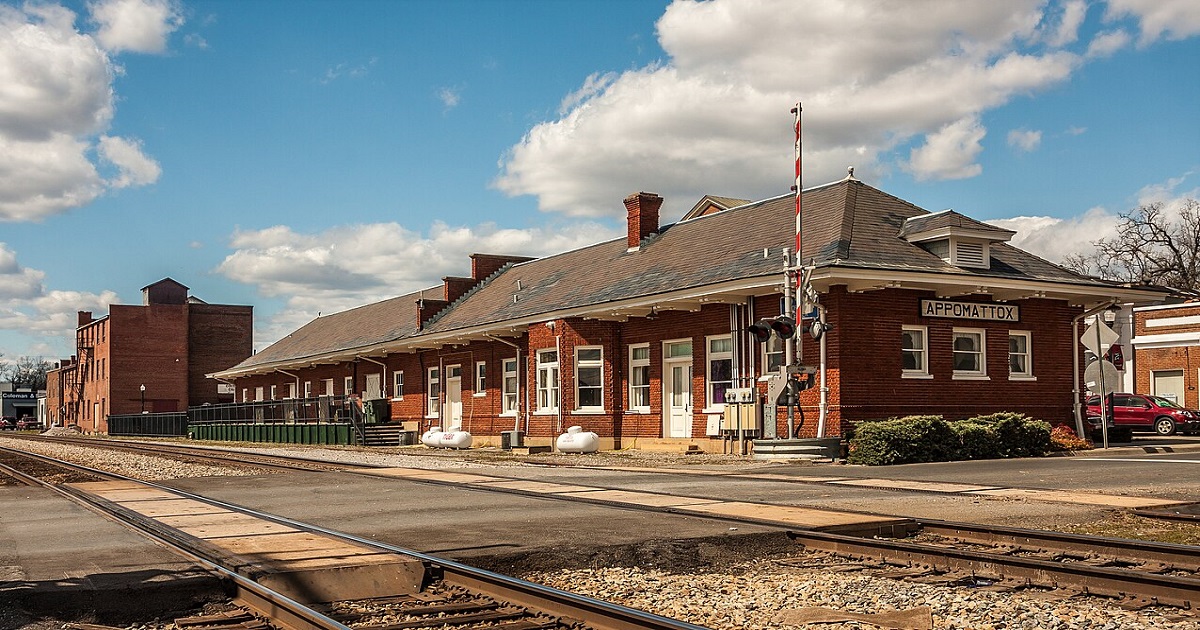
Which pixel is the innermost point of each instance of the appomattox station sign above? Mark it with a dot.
(970, 310)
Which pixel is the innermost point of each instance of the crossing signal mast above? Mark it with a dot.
(784, 388)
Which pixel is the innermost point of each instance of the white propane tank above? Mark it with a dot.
(432, 437)
(576, 440)
(454, 439)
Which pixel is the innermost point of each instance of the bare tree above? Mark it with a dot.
(1152, 246)
(29, 372)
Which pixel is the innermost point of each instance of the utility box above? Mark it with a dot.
(376, 411)
(511, 439)
(741, 410)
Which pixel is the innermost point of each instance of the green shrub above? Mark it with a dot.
(1018, 434)
(907, 440)
(978, 440)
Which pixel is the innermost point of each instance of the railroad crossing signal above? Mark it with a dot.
(783, 326)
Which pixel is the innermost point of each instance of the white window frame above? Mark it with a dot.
(922, 371)
(433, 392)
(981, 373)
(590, 364)
(258, 394)
(274, 389)
(1026, 375)
(308, 389)
(328, 386)
(774, 346)
(509, 397)
(712, 405)
(480, 378)
(245, 394)
(635, 363)
(291, 390)
(547, 382)
(398, 385)
(348, 386)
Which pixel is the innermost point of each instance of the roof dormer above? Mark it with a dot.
(955, 238)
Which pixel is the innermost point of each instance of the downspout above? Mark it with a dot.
(1075, 363)
(295, 376)
(517, 419)
(558, 353)
(382, 379)
(823, 404)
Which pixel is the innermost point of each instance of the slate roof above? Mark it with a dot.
(360, 327)
(847, 224)
(951, 219)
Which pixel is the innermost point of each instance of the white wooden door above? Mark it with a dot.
(452, 412)
(679, 399)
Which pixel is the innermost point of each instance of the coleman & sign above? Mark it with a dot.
(970, 310)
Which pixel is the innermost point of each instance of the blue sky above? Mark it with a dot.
(307, 157)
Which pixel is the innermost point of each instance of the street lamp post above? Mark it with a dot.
(143, 388)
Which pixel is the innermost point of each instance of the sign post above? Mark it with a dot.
(1099, 338)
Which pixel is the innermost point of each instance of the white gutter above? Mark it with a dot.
(517, 419)
(823, 405)
(383, 379)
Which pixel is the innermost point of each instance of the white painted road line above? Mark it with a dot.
(1152, 461)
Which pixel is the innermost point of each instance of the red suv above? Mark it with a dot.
(1151, 413)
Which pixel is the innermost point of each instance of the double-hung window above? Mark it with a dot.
(969, 353)
(480, 378)
(914, 352)
(547, 381)
(398, 385)
(434, 392)
(291, 390)
(509, 387)
(589, 378)
(1020, 355)
(348, 386)
(639, 377)
(720, 369)
(308, 389)
(328, 386)
(274, 389)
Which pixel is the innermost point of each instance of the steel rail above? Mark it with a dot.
(1183, 556)
(278, 607)
(223, 456)
(1181, 592)
(594, 613)
(1107, 581)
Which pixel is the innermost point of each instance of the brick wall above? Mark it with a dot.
(1185, 356)
(219, 337)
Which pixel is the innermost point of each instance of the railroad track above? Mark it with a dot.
(282, 585)
(1137, 573)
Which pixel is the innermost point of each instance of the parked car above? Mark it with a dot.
(1149, 413)
(28, 423)
(8, 423)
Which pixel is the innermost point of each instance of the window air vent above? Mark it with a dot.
(970, 255)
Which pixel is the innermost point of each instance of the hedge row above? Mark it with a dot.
(915, 439)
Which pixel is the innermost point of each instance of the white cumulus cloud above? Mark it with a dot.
(1025, 139)
(46, 316)
(135, 25)
(1171, 19)
(874, 78)
(950, 152)
(350, 265)
(56, 103)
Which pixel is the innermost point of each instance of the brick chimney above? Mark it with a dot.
(643, 216)
(83, 318)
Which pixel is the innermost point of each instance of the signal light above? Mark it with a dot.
(784, 326)
(813, 328)
(760, 330)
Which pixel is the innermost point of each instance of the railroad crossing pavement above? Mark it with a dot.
(57, 555)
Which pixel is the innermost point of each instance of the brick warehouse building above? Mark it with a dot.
(1163, 361)
(168, 344)
(638, 338)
